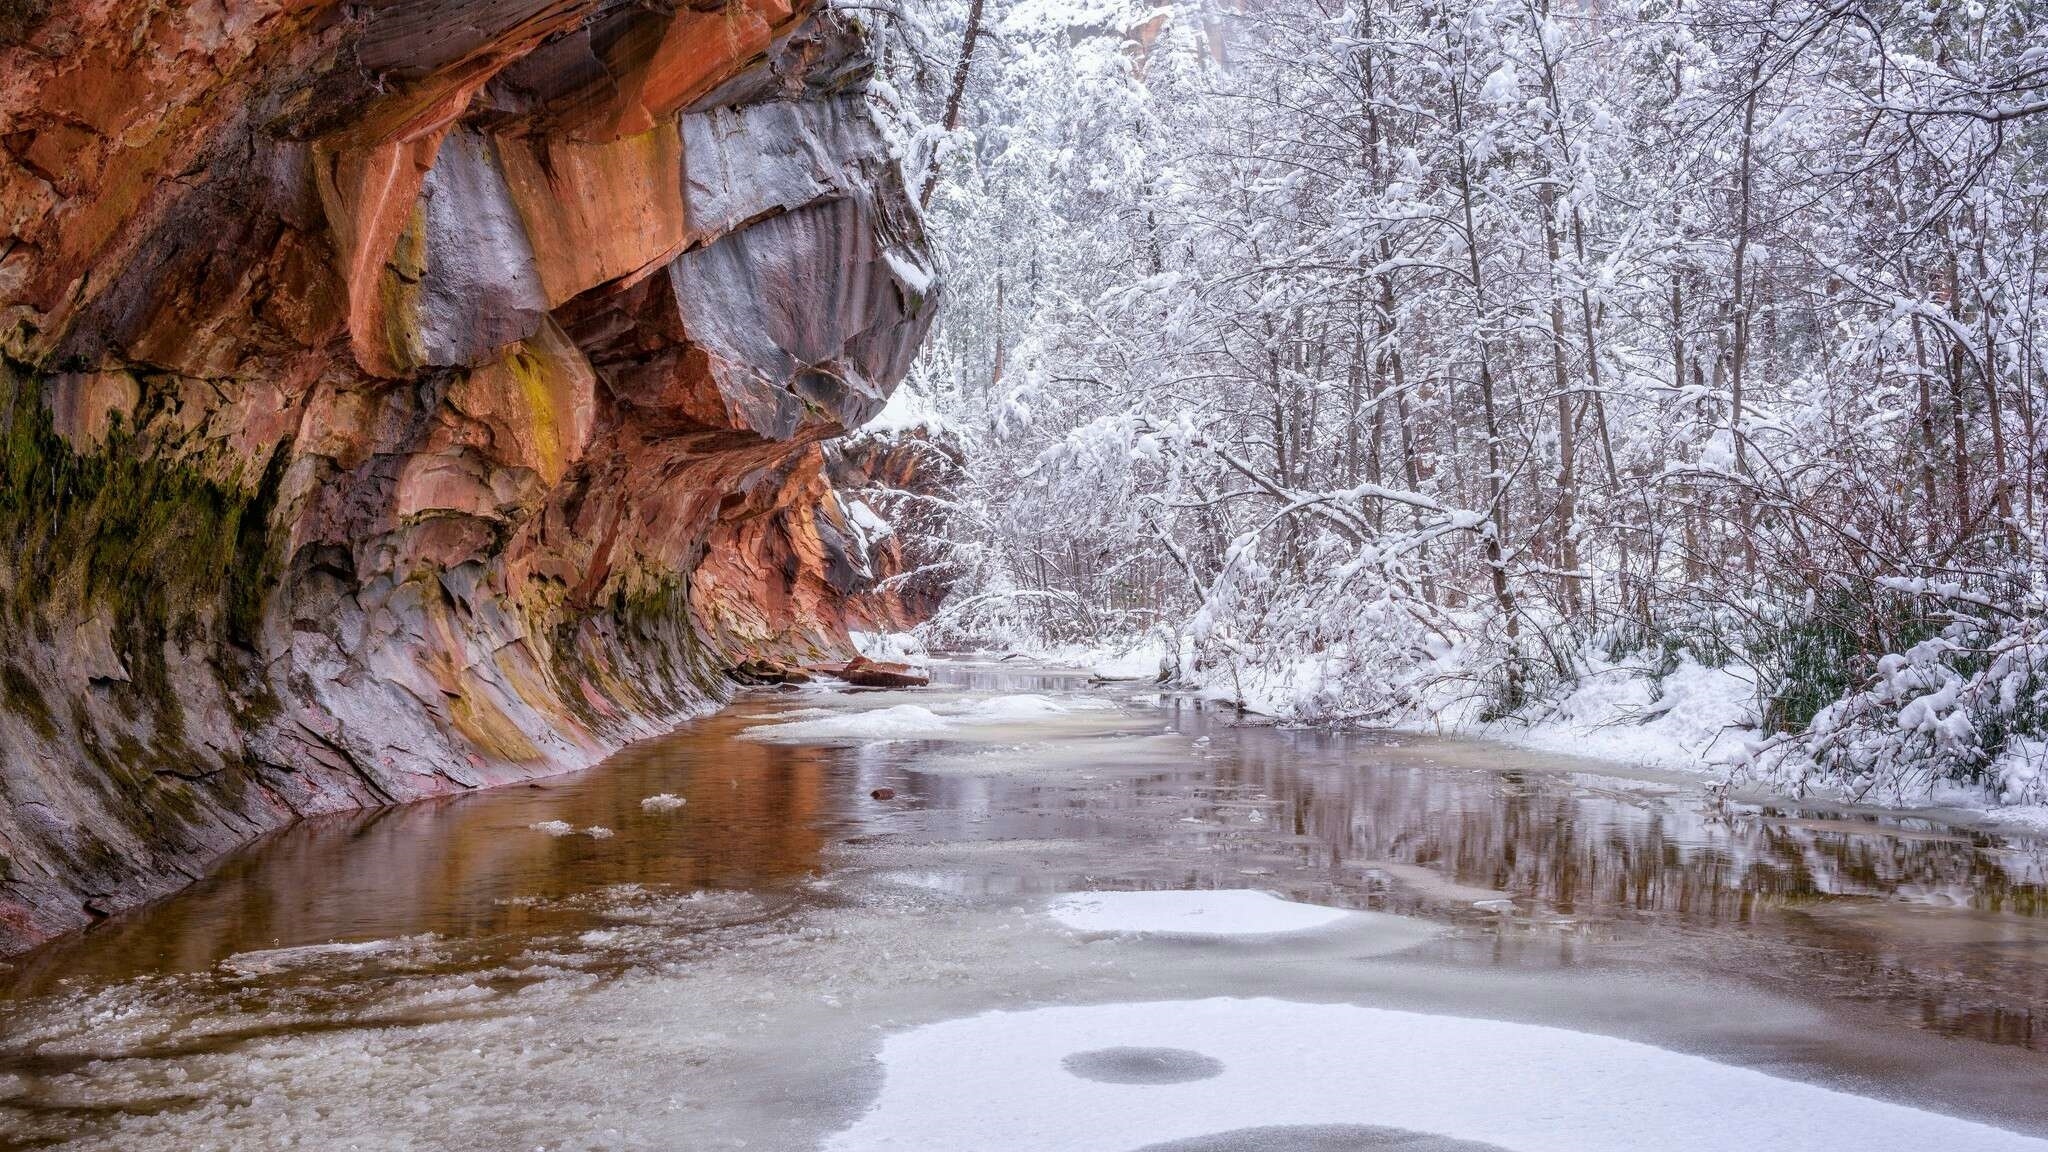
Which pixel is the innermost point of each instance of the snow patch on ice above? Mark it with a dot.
(902, 722)
(1023, 706)
(1221, 912)
(917, 722)
(999, 1081)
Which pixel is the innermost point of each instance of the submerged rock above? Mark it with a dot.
(404, 398)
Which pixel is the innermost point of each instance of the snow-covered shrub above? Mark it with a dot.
(1958, 708)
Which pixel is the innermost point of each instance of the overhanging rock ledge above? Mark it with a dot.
(412, 396)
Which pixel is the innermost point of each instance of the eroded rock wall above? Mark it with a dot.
(411, 396)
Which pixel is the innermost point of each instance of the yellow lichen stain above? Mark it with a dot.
(516, 663)
(537, 393)
(486, 726)
(399, 290)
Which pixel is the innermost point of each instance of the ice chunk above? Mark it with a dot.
(564, 828)
(665, 802)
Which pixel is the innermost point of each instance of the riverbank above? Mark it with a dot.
(1688, 719)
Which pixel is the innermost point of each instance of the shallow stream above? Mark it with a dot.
(1556, 955)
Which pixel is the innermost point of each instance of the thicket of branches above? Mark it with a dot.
(1411, 355)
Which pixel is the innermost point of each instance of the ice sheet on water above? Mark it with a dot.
(270, 961)
(633, 903)
(1082, 759)
(1220, 912)
(941, 720)
(1025, 706)
(904, 721)
(1002, 1080)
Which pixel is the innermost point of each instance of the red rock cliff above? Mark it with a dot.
(409, 396)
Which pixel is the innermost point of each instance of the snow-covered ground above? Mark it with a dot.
(1259, 1067)
(1695, 717)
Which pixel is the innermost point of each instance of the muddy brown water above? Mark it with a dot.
(1914, 951)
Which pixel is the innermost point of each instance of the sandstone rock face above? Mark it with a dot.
(411, 396)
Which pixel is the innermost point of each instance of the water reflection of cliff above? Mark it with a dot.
(474, 866)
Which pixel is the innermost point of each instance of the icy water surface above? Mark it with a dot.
(1555, 956)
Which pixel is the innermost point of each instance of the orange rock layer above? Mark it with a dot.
(407, 397)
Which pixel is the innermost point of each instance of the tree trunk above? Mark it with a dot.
(1496, 480)
(955, 95)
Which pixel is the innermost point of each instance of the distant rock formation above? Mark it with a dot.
(411, 396)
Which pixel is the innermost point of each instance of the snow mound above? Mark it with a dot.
(1005, 1080)
(1222, 912)
(908, 410)
(1003, 709)
(1695, 717)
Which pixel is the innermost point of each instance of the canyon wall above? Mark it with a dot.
(411, 396)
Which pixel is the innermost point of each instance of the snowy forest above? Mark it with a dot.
(1490, 363)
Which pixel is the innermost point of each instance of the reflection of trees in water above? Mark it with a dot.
(1944, 925)
(1583, 850)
